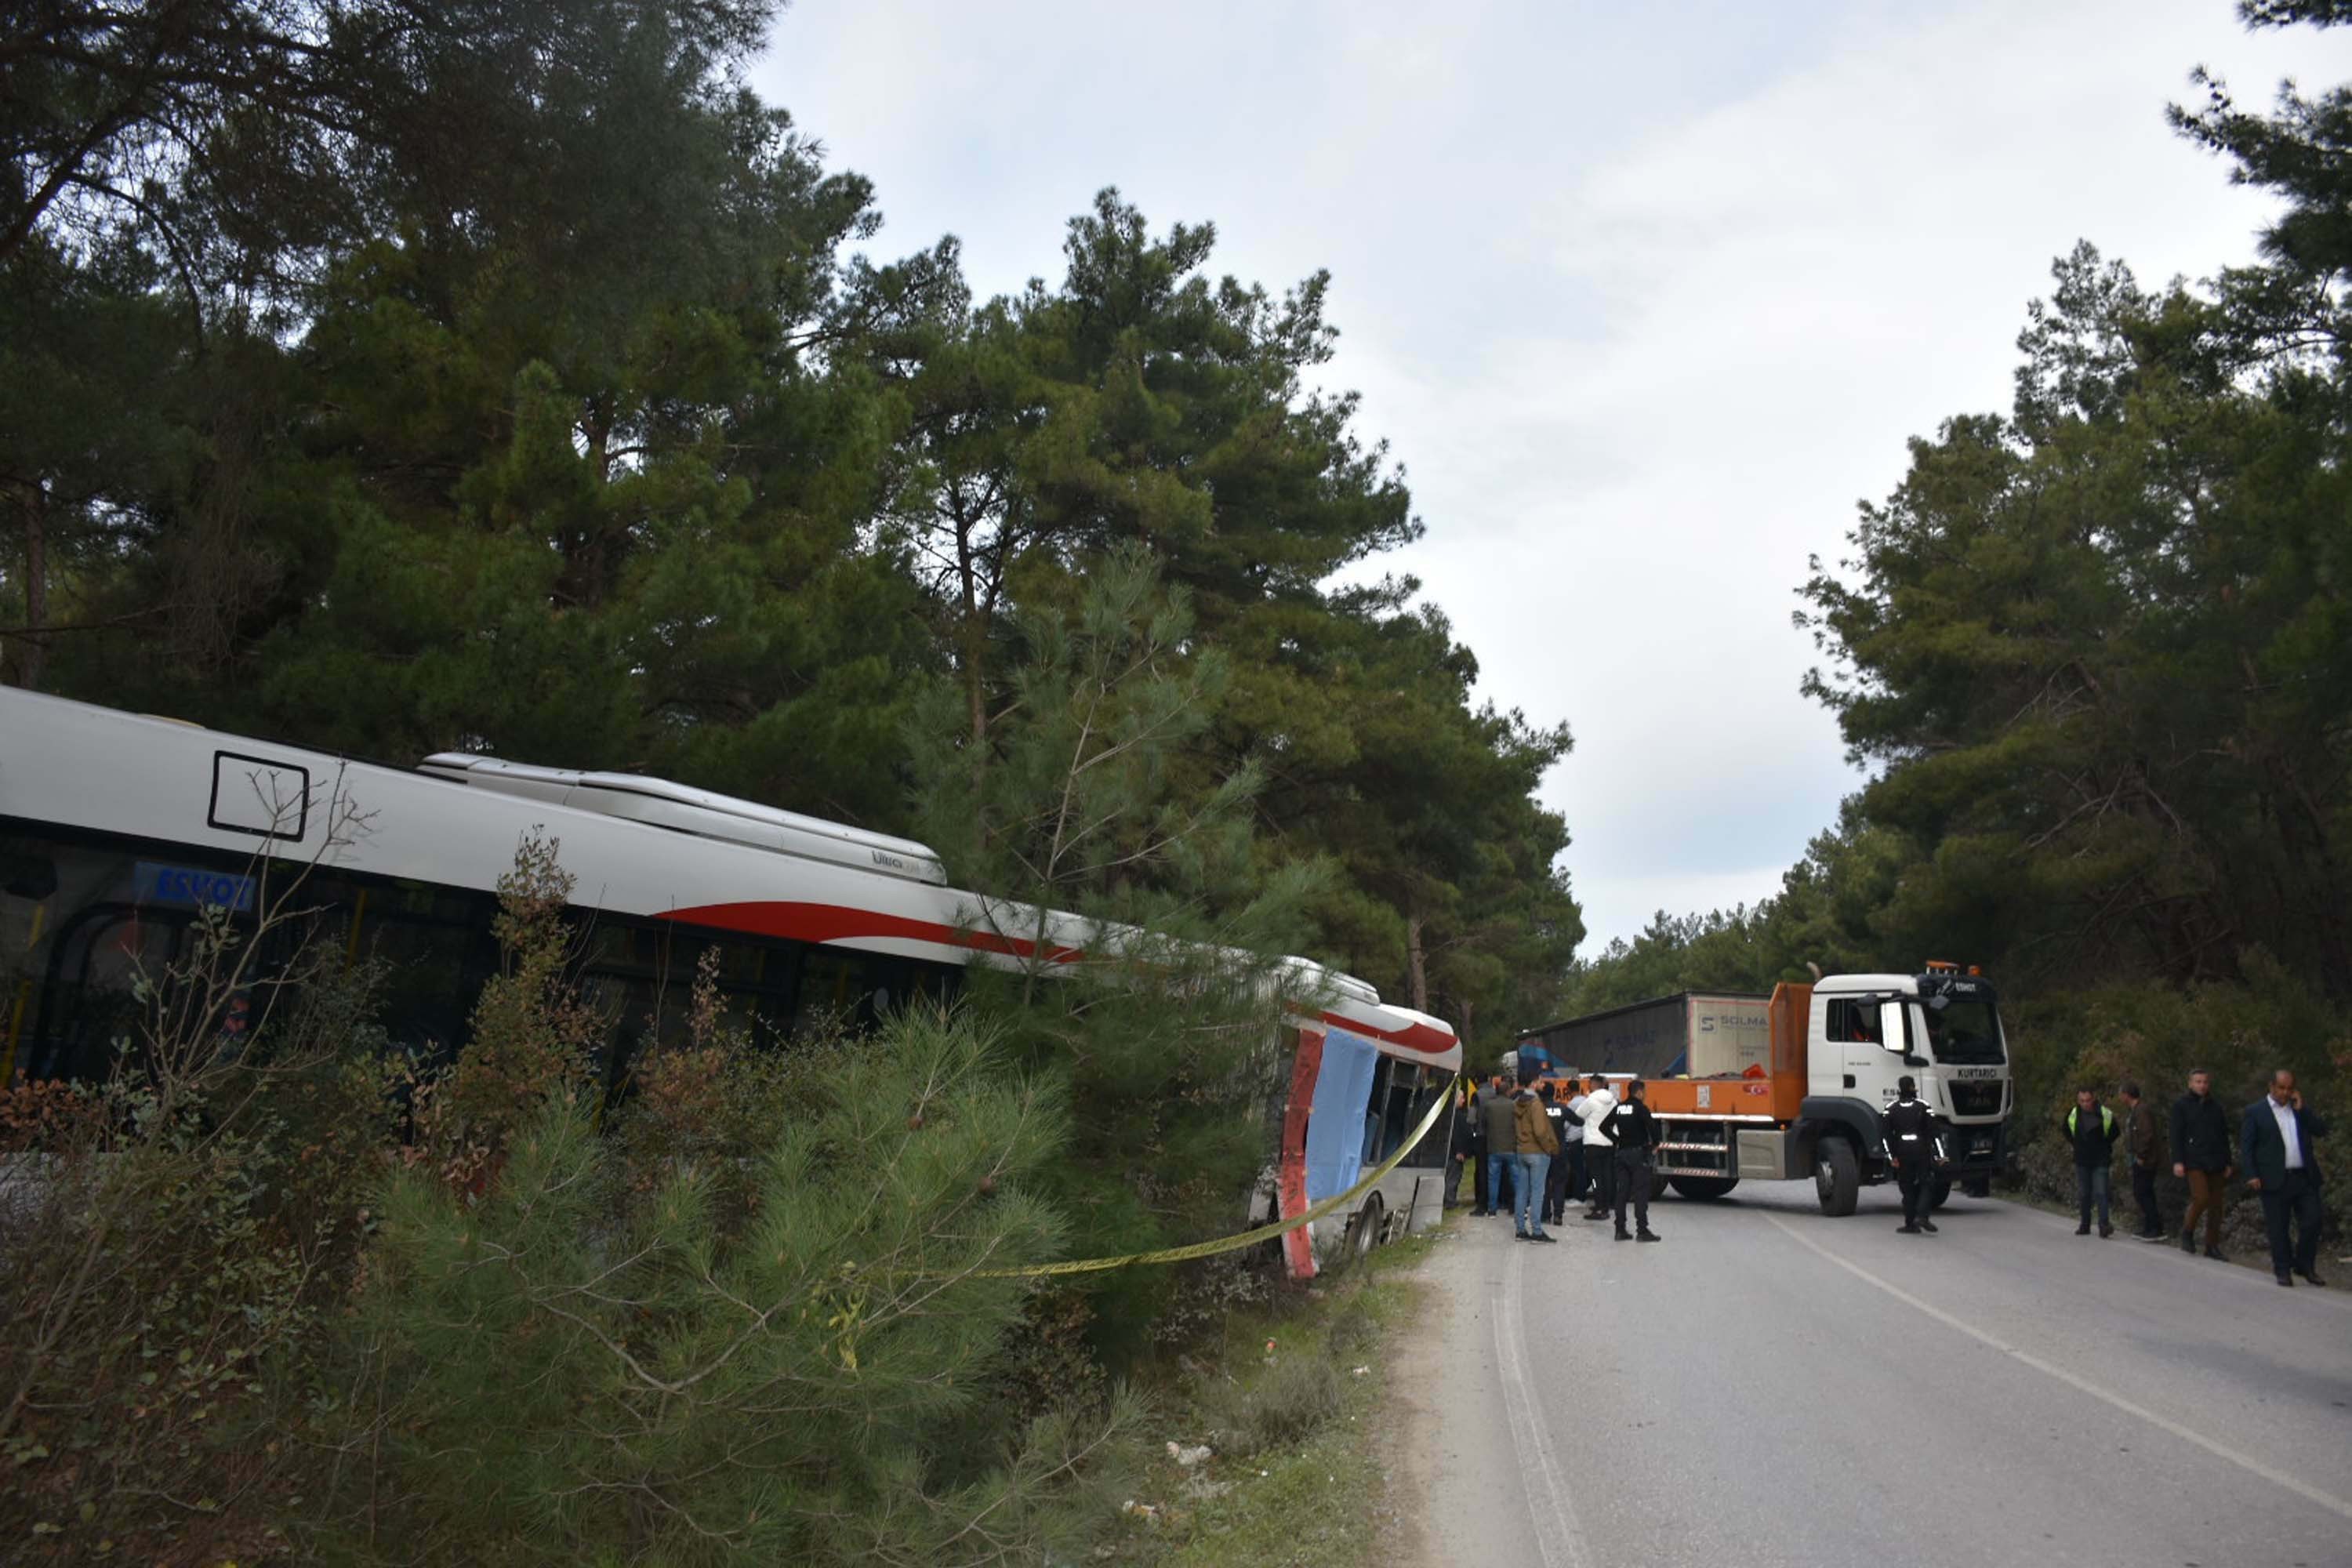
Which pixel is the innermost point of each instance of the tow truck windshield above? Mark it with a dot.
(1965, 1030)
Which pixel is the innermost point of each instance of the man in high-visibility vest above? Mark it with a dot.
(2093, 1129)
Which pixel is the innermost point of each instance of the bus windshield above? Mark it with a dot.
(1966, 1030)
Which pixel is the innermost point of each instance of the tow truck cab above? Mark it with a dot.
(1864, 1032)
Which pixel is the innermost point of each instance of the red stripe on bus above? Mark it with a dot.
(1305, 1066)
(1419, 1037)
(837, 922)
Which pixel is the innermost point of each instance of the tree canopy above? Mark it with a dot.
(2096, 654)
(616, 451)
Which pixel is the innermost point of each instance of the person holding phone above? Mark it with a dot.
(2279, 1143)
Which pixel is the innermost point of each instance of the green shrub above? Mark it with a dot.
(1289, 1404)
(175, 1235)
(578, 1364)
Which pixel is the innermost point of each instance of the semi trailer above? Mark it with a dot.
(1749, 1087)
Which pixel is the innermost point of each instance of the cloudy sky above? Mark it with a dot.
(1644, 297)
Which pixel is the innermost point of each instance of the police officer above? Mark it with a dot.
(1916, 1148)
(1633, 1133)
(1563, 1126)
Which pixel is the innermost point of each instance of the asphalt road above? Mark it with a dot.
(1770, 1386)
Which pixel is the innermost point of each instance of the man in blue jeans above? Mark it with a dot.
(1535, 1146)
(1499, 1115)
(2093, 1129)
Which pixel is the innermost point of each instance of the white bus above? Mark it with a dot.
(116, 828)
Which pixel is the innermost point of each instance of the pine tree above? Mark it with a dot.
(1155, 1003)
(572, 1369)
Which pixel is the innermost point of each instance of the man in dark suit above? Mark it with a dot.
(2279, 1144)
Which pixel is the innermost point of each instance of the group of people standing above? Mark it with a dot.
(2276, 1145)
(1549, 1151)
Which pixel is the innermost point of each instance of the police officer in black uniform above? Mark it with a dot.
(1634, 1131)
(1916, 1148)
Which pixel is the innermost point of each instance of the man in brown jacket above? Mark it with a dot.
(1536, 1144)
(2144, 1142)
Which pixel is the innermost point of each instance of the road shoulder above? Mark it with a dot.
(1404, 1446)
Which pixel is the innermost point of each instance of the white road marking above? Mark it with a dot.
(1558, 1535)
(2253, 1466)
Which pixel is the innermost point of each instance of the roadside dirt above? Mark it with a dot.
(1406, 1450)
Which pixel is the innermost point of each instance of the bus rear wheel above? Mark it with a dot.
(1705, 1187)
(1364, 1230)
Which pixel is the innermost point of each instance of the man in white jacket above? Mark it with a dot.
(1599, 1162)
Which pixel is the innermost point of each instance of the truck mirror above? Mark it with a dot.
(1894, 1028)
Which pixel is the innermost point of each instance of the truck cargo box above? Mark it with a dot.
(1696, 1034)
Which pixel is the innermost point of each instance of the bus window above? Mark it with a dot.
(89, 998)
(26, 874)
(850, 989)
(1401, 1094)
(1414, 1100)
(432, 972)
(932, 984)
(1375, 1144)
(627, 1004)
(44, 885)
(746, 966)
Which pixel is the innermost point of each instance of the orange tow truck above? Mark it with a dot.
(1778, 1088)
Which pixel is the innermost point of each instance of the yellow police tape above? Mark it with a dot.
(1247, 1238)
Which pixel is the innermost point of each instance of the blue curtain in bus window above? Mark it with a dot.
(1335, 1131)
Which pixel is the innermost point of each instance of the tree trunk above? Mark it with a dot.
(1416, 962)
(586, 549)
(972, 636)
(975, 702)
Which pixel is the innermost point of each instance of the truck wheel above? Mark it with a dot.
(1837, 1176)
(1941, 1191)
(1978, 1186)
(1658, 1179)
(1705, 1187)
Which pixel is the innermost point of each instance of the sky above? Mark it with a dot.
(1644, 299)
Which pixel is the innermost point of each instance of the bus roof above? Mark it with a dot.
(682, 808)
